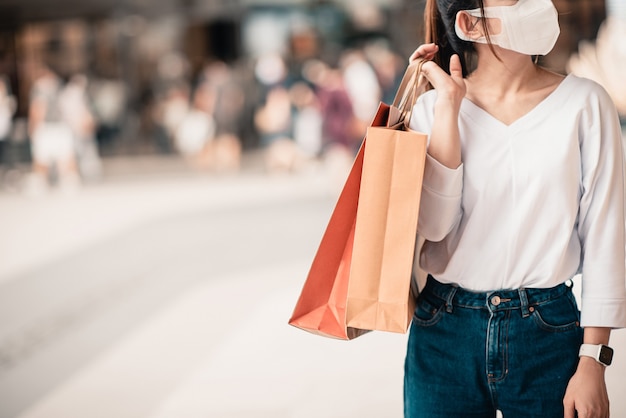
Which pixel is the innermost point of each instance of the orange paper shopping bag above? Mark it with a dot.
(360, 278)
(379, 289)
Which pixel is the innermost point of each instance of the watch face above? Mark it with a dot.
(606, 355)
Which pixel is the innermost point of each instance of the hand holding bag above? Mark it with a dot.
(379, 289)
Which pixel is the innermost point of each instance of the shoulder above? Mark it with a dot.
(582, 83)
(587, 91)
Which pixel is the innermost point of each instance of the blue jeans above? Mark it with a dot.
(471, 354)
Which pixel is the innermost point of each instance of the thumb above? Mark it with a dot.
(456, 70)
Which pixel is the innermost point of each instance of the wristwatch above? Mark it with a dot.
(603, 354)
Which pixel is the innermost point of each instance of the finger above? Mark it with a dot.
(456, 70)
(426, 51)
(435, 74)
(423, 49)
(569, 408)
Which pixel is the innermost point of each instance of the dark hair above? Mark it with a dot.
(439, 18)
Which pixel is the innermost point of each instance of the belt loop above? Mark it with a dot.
(523, 297)
(450, 297)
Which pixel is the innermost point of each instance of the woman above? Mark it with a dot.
(523, 190)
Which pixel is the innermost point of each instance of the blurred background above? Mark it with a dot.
(167, 169)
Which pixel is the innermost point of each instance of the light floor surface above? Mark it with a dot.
(223, 348)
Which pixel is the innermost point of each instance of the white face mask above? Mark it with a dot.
(529, 27)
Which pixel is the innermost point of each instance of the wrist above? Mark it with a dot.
(448, 104)
(590, 365)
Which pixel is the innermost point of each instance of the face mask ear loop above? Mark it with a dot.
(466, 35)
(476, 22)
(487, 35)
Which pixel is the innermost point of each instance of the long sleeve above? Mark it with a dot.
(440, 207)
(601, 226)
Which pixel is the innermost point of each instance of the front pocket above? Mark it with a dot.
(557, 315)
(428, 310)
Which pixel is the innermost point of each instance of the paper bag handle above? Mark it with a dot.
(413, 84)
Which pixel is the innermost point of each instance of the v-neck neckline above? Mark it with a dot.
(480, 115)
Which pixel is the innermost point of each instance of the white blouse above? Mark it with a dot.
(534, 202)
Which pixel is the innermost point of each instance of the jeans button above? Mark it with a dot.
(495, 301)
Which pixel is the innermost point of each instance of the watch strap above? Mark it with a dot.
(600, 352)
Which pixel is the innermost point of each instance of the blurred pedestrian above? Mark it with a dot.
(77, 113)
(523, 190)
(7, 110)
(227, 109)
(363, 88)
(273, 117)
(109, 99)
(172, 90)
(389, 67)
(274, 123)
(172, 105)
(52, 142)
(307, 120)
(196, 130)
(341, 131)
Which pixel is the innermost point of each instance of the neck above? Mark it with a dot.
(512, 72)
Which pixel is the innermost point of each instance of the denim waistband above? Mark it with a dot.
(496, 300)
